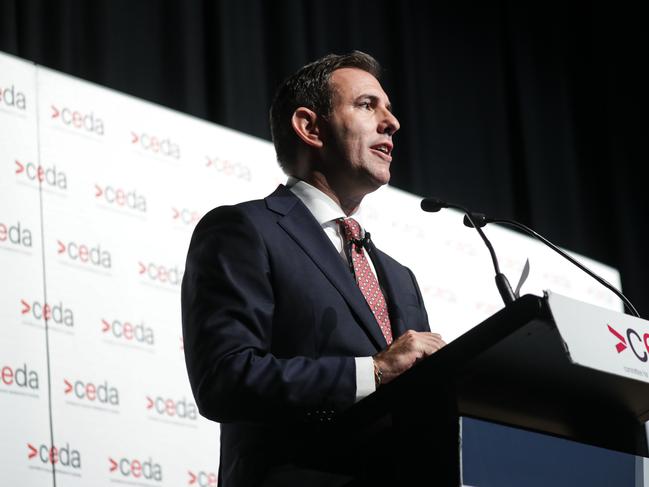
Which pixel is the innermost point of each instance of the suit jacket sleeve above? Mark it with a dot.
(228, 314)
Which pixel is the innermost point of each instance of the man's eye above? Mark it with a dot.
(367, 105)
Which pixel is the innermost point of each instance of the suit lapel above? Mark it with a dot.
(302, 227)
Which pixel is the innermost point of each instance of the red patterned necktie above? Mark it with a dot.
(365, 278)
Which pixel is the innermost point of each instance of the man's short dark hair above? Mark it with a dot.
(309, 87)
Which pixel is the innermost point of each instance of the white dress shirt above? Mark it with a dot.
(326, 212)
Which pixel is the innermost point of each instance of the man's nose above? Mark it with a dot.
(389, 125)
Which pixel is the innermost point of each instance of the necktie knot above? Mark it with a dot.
(351, 228)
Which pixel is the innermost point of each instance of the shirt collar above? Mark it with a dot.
(323, 208)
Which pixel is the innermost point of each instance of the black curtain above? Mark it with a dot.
(530, 110)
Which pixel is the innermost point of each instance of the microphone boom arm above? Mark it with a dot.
(504, 288)
(433, 205)
(601, 280)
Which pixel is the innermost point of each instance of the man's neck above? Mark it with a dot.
(348, 202)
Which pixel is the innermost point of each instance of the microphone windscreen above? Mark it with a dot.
(432, 204)
(480, 219)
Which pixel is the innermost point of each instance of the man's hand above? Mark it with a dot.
(406, 351)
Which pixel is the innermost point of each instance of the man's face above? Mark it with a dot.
(358, 145)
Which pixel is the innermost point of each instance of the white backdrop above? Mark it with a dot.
(99, 193)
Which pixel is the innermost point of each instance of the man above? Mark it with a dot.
(288, 309)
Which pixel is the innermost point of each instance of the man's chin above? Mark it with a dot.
(375, 181)
(381, 179)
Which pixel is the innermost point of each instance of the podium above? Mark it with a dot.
(516, 369)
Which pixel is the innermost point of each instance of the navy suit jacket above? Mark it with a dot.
(272, 321)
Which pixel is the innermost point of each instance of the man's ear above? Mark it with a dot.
(305, 125)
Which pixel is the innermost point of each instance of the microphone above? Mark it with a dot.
(481, 220)
(365, 242)
(433, 205)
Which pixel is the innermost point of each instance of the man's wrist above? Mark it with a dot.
(378, 374)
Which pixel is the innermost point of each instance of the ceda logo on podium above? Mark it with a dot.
(631, 339)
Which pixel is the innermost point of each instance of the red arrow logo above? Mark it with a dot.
(192, 478)
(176, 213)
(142, 268)
(105, 326)
(135, 136)
(149, 402)
(68, 386)
(55, 112)
(61, 248)
(98, 191)
(620, 346)
(209, 162)
(113, 464)
(26, 307)
(32, 451)
(20, 167)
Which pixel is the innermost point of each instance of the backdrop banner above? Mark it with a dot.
(99, 193)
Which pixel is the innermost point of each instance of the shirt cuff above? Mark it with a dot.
(365, 384)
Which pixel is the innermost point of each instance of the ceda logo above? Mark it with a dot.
(639, 345)
(77, 119)
(12, 97)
